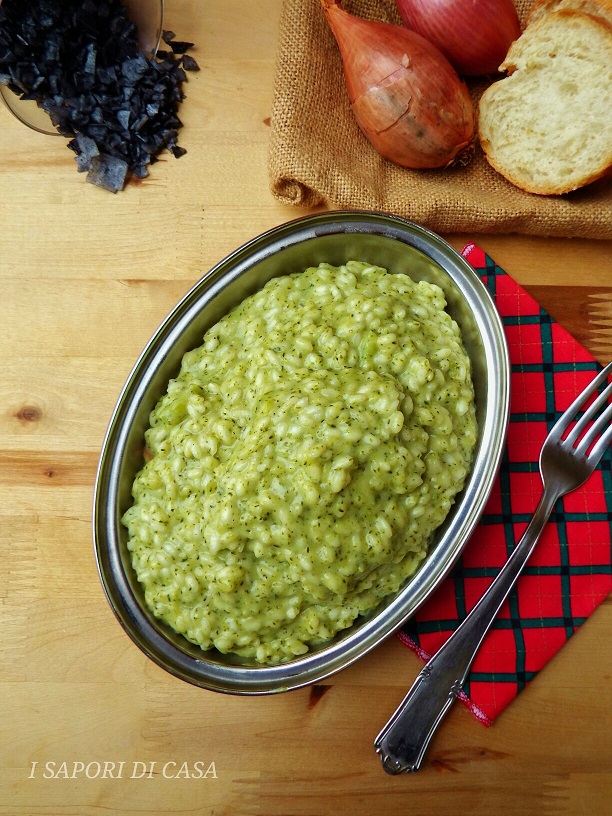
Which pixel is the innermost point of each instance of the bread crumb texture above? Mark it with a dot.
(547, 126)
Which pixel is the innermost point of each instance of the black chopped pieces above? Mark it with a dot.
(108, 172)
(86, 150)
(189, 64)
(80, 61)
(180, 47)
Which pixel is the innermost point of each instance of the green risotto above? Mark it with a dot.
(301, 460)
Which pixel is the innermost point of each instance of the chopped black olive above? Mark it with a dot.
(80, 61)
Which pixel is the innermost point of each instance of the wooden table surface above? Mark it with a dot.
(86, 277)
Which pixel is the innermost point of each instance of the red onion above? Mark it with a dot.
(474, 35)
(406, 97)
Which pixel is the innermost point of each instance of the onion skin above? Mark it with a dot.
(474, 35)
(406, 97)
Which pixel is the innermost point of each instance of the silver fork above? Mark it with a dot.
(566, 462)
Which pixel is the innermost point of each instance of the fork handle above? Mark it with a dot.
(402, 743)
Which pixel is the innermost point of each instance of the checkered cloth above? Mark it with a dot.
(570, 572)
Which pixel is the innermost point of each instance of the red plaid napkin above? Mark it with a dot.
(570, 572)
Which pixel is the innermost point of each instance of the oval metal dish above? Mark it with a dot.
(333, 237)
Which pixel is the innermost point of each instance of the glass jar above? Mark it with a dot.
(148, 16)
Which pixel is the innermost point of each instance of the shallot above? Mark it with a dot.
(406, 97)
(474, 35)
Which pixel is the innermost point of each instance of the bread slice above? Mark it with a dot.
(598, 8)
(547, 127)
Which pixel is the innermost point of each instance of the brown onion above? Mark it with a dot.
(406, 97)
(474, 35)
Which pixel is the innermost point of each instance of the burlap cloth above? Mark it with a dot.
(319, 157)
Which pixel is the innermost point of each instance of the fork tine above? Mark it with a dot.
(594, 431)
(600, 447)
(567, 416)
(591, 411)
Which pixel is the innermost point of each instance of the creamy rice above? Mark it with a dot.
(301, 460)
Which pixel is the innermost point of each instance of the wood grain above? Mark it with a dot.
(86, 277)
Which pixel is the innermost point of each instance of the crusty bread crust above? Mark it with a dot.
(547, 126)
(598, 8)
